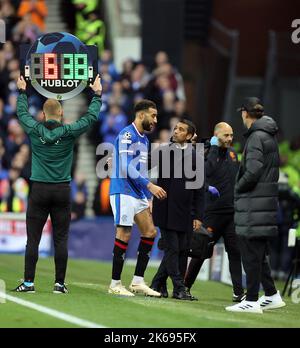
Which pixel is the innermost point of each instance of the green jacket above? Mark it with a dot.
(52, 149)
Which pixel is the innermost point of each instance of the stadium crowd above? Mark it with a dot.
(161, 82)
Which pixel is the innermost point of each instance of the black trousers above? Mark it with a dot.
(222, 225)
(45, 199)
(174, 260)
(256, 265)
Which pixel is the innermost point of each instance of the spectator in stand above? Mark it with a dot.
(157, 87)
(3, 171)
(167, 110)
(118, 97)
(79, 194)
(94, 31)
(13, 192)
(21, 161)
(37, 9)
(160, 58)
(8, 66)
(105, 75)
(13, 67)
(11, 107)
(16, 137)
(125, 78)
(107, 58)
(14, 150)
(26, 31)
(8, 14)
(180, 109)
(3, 120)
(164, 136)
(167, 70)
(83, 8)
(164, 67)
(127, 66)
(101, 204)
(139, 78)
(112, 124)
(170, 118)
(8, 51)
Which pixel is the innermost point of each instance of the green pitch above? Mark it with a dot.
(88, 300)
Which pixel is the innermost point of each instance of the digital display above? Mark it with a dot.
(59, 65)
(51, 66)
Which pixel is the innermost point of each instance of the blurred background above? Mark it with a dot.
(196, 59)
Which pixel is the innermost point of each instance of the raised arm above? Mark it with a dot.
(87, 120)
(211, 161)
(27, 122)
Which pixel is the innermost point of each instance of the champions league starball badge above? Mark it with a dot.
(59, 65)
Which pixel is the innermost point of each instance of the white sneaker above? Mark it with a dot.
(120, 290)
(144, 289)
(246, 307)
(271, 302)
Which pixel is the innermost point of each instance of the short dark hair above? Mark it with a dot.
(144, 104)
(191, 126)
(253, 106)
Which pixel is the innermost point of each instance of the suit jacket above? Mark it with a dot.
(175, 212)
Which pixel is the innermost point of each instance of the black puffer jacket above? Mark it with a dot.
(256, 189)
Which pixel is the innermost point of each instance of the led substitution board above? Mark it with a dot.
(59, 65)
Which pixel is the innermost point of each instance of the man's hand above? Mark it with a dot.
(214, 192)
(96, 86)
(214, 141)
(21, 83)
(196, 225)
(157, 191)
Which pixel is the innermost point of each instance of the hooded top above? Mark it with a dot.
(256, 190)
(265, 124)
(52, 142)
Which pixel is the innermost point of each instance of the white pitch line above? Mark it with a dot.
(53, 313)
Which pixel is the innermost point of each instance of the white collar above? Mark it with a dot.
(182, 147)
(141, 135)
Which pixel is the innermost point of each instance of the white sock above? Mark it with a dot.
(114, 282)
(137, 280)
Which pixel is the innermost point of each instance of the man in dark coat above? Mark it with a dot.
(221, 167)
(256, 203)
(173, 216)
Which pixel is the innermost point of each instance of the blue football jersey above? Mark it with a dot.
(130, 164)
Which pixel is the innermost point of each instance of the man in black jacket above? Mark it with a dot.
(173, 215)
(221, 167)
(256, 204)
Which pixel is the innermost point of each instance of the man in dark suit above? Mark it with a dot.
(173, 215)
